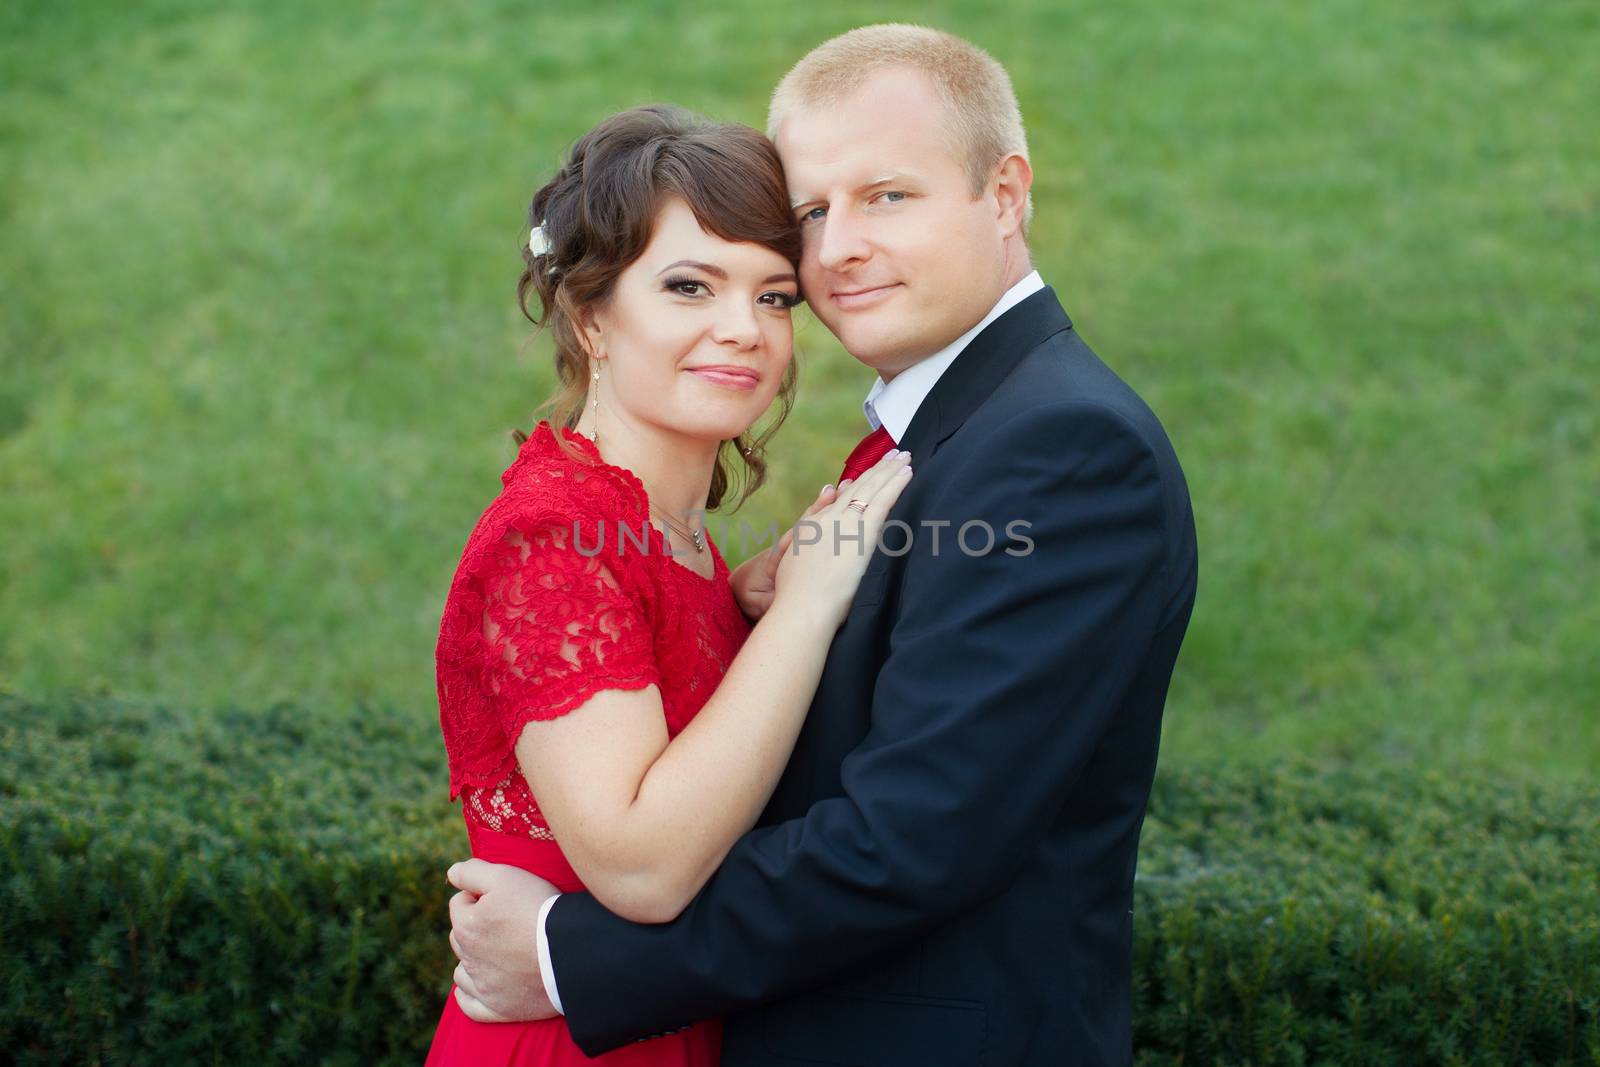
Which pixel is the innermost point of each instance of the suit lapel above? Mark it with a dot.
(981, 367)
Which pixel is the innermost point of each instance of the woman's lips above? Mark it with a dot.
(863, 298)
(729, 377)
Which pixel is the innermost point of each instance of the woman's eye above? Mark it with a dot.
(780, 299)
(687, 288)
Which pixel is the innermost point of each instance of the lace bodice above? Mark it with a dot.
(564, 589)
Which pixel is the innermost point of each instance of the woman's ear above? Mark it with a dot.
(590, 331)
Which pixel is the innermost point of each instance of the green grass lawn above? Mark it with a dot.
(259, 353)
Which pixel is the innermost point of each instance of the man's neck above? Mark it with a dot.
(1017, 268)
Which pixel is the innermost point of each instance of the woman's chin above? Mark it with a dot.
(712, 433)
(719, 427)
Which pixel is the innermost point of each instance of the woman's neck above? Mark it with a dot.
(676, 470)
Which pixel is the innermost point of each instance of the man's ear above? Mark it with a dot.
(1012, 180)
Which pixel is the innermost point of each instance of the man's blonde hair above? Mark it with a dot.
(981, 109)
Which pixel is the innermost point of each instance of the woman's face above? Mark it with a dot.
(695, 336)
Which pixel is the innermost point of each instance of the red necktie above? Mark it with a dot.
(869, 451)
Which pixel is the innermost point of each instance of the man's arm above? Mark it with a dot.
(1002, 673)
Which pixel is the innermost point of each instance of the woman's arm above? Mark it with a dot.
(645, 822)
(755, 581)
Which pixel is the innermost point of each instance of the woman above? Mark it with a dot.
(612, 720)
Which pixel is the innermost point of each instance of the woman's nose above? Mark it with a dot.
(737, 326)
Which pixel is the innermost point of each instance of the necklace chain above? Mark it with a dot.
(693, 535)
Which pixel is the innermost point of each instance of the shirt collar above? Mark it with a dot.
(892, 405)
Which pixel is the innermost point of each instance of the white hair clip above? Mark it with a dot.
(538, 242)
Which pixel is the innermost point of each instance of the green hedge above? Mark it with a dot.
(268, 884)
(263, 884)
(1375, 917)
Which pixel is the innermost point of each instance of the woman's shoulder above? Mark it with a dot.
(567, 479)
(563, 491)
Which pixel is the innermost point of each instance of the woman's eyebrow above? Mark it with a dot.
(718, 272)
(715, 272)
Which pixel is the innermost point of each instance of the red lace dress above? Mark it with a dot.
(564, 589)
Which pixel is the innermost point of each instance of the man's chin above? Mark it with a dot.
(886, 355)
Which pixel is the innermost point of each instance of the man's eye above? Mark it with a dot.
(814, 214)
(894, 196)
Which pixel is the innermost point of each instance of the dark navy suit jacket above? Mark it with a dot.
(945, 872)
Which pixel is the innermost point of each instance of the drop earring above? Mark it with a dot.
(594, 431)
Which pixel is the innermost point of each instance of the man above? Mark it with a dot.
(945, 872)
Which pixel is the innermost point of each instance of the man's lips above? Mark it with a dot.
(727, 375)
(854, 299)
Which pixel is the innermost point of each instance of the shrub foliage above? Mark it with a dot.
(197, 888)
(269, 884)
(1367, 917)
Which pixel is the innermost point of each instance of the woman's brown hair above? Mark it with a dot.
(598, 214)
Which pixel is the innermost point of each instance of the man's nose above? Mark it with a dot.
(841, 244)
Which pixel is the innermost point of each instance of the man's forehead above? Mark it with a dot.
(891, 124)
(885, 103)
(812, 171)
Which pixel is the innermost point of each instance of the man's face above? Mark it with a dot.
(900, 258)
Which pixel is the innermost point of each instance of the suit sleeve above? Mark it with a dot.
(1002, 673)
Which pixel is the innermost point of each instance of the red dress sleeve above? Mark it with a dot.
(559, 626)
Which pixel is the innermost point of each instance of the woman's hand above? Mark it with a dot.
(755, 581)
(826, 553)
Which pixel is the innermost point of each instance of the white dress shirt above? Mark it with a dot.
(891, 405)
(894, 404)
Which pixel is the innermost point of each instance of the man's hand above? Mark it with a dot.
(494, 930)
(755, 581)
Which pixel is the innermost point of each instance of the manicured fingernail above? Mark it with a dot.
(893, 452)
(826, 488)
